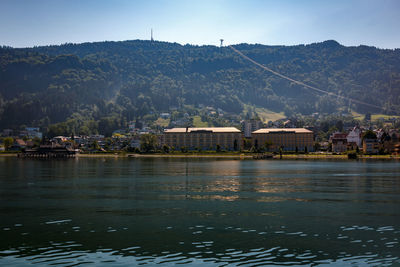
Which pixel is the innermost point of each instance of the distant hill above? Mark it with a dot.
(106, 84)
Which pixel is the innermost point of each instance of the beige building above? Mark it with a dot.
(228, 138)
(370, 146)
(287, 138)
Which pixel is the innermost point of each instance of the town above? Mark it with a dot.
(180, 136)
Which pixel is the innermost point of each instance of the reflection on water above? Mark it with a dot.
(199, 212)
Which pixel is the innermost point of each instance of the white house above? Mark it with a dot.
(354, 136)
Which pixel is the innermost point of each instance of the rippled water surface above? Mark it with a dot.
(199, 212)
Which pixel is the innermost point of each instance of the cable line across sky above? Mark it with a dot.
(303, 84)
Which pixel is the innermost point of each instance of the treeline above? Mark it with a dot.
(98, 87)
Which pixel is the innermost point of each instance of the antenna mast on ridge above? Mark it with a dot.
(222, 40)
(152, 35)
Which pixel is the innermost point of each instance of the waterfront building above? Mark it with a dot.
(370, 146)
(289, 139)
(355, 136)
(52, 150)
(339, 142)
(226, 138)
(18, 145)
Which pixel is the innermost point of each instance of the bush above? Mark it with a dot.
(165, 148)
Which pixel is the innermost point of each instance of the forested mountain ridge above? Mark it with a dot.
(106, 84)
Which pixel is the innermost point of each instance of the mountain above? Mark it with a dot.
(104, 85)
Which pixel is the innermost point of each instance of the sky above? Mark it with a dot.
(27, 23)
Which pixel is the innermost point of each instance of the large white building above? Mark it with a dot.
(288, 139)
(226, 138)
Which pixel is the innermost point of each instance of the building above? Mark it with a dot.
(249, 126)
(7, 132)
(165, 115)
(339, 142)
(354, 136)
(370, 146)
(352, 146)
(226, 138)
(289, 139)
(18, 145)
(52, 150)
(388, 141)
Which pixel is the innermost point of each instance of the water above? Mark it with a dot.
(199, 212)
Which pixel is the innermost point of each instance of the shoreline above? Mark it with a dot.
(276, 157)
(224, 156)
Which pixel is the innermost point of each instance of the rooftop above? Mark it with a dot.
(207, 129)
(279, 130)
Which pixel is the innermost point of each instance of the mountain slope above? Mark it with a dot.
(97, 84)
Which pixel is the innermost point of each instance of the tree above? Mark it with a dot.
(317, 146)
(165, 148)
(218, 148)
(148, 142)
(369, 135)
(367, 116)
(247, 143)
(268, 144)
(95, 145)
(36, 141)
(8, 141)
(339, 125)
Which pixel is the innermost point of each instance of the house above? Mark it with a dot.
(135, 143)
(388, 141)
(289, 124)
(324, 146)
(339, 142)
(354, 136)
(165, 115)
(33, 132)
(370, 146)
(60, 139)
(18, 145)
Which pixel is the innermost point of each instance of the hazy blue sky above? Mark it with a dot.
(350, 22)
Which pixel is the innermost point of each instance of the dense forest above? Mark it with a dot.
(93, 87)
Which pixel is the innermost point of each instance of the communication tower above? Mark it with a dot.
(152, 35)
(222, 40)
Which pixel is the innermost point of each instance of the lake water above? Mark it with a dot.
(199, 212)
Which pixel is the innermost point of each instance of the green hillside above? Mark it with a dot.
(98, 87)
